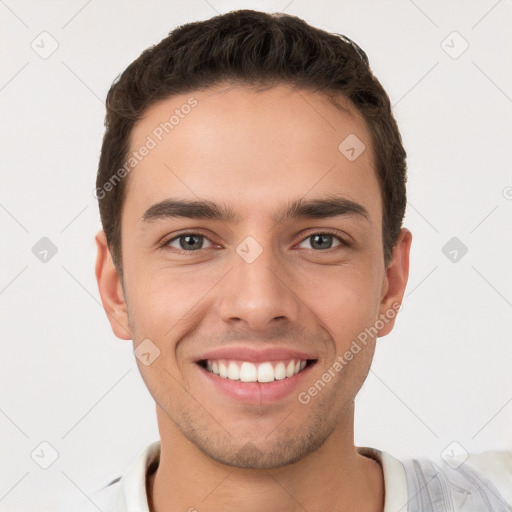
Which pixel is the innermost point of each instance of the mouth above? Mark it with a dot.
(262, 372)
(253, 374)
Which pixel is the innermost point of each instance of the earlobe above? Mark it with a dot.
(395, 282)
(110, 288)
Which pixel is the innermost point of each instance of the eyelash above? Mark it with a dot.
(165, 244)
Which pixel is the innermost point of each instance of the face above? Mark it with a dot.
(244, 301)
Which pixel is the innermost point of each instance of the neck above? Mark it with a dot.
(334, 477)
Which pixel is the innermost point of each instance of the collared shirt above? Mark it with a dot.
(483, 482)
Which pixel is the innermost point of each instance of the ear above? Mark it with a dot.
(395, 281)
(111, 290)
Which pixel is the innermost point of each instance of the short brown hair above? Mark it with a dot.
(253, 48)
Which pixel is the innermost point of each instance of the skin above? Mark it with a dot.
(254, 151)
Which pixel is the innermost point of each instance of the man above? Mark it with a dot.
(252, 189)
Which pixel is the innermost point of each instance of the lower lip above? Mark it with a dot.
(256, 393)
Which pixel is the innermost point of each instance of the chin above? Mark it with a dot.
(265, 454)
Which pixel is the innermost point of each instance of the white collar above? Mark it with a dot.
(395, 480)
(131, 495)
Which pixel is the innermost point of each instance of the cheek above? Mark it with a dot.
(346, 300)
(165, 304)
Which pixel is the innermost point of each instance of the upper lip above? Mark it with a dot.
(255, 355)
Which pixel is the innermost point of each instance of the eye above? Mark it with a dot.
(193, 242)
(323, 241)
(188, 242)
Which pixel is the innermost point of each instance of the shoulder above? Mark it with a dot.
(126, 492)
(477, 482)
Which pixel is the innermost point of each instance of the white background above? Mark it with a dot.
(442, 375)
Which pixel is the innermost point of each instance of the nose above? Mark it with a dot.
(258, 293)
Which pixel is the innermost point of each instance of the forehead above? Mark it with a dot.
(248, 148)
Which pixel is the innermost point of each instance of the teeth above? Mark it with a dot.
(233, 371)
(246, 371)
(265, 372)
(223, 370)
(280, 371)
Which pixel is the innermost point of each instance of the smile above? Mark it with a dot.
(263, 372)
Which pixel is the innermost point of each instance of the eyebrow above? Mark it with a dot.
(320, 208)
